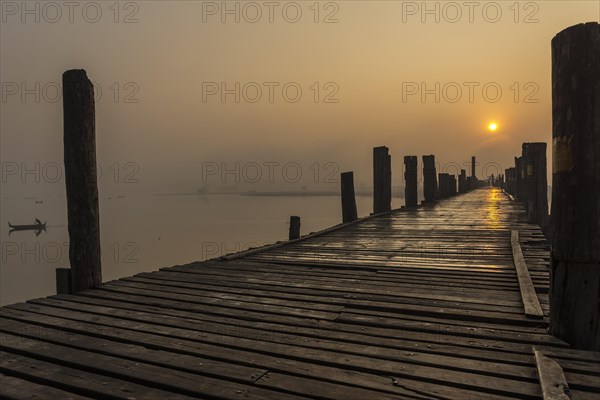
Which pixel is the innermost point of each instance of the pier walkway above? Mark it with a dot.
(444, 301)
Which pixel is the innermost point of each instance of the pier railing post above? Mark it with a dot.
(382, 180)
(410, 178)
(349, 212)
(430, 185)
(575, 273)
(81, 180)
(536, 183)
(294, 227)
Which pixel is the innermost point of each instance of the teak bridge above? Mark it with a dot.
(444, 301)
(474, 294)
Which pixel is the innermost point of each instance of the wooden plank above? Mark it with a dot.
(552, 379)
(12, 388)
(78, 380)
(198, 365)
(145, 374)
(416, 333)
(405, 367)
(530, 299)
(375, 349)
(350, 378)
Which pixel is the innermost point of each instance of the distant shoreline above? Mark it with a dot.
(253, 193)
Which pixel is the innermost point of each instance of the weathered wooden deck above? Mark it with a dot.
(414, 304)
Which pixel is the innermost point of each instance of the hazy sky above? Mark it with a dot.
(158, 64)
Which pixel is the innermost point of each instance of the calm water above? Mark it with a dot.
(144, 233)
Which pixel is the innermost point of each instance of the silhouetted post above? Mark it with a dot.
(81, 180)
(518, 178)
(349, 212)
(575, 273)
(536, 183)
(382, 180)
(63, 280)
(294, 227)
(410, 177)
(462, 181)
(430, 185)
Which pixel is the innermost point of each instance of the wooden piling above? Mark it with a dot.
(535, 183)
(382, 180)
(81, 180)
(575, 273)
(349, 212)
(410, 178)
(294, 227)
(430, 185)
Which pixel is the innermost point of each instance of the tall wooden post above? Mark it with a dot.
(430, 185)
(536, 183)
(410, 177)
(81, 181)
(294, 227)
(575, 274)
(349, 212)
(382, 180)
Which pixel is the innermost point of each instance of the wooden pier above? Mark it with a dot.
(417, 303)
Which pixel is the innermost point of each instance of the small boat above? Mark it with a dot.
(34, 227)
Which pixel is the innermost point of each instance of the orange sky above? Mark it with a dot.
(375, 61)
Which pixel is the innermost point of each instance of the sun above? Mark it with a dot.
(492, 127)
